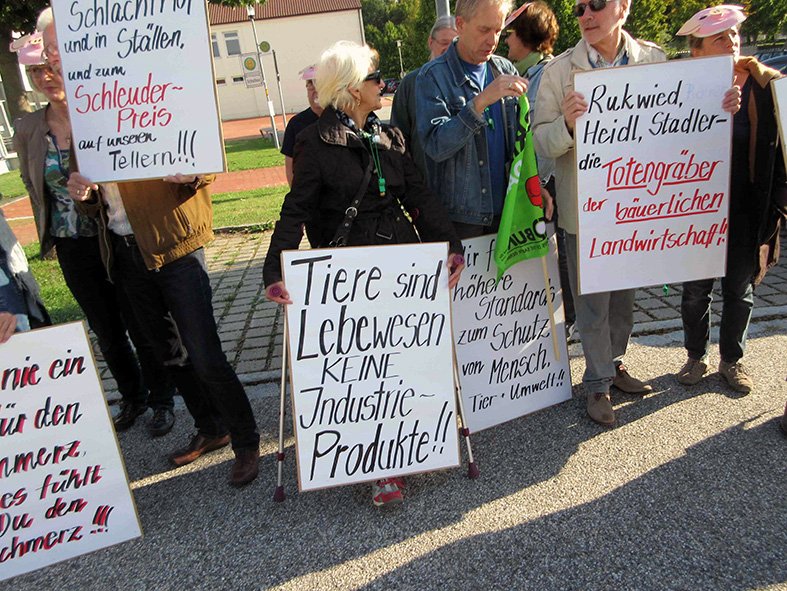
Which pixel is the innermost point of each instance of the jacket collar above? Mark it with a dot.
(580, 59)
(761, 73)
(334, 132)
(460, 77)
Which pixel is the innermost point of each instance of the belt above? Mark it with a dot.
(128, 240)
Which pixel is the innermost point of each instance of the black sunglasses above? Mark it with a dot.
(594, 5)
(376, 76)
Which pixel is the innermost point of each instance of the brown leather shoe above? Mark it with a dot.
(600, 409)
(624, 382)
(246, 467)
(198, 446)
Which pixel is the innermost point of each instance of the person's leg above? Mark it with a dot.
(695, 314)
(185, 287)
(86, 277)
(157, 327)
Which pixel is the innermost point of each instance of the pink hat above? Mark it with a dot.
(513, 16)
(309, 72)
(713, 20)
(29, 49)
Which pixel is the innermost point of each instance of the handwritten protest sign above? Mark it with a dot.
(139, 84)
(653, 154)
(504, 351)
(779, 88)
(371, 362)
(63, 485)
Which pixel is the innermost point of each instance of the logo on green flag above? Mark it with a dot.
(522, 233)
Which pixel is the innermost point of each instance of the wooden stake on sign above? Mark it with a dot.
(550, 307)
(472, 469)
(278, 495)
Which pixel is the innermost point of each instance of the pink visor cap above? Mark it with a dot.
(713, 20)
(29, 49)
(514, 15)
(309, 73)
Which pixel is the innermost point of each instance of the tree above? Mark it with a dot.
(16, 16)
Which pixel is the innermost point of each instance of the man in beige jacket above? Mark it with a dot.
(604, 319)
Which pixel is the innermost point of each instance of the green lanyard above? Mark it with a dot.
(375, 151)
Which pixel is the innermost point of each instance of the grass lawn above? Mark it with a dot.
(57, 297)
(11, 186)
(258, 206)
(254, 153)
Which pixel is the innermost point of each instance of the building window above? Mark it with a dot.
(221, 81)
(214, 41)
(232, 43)
(237, 79)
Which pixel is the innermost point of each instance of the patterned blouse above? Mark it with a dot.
(66, 222)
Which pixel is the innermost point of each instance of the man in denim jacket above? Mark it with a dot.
(467, 117)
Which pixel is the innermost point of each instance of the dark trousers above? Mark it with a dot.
(109, 317)
(173, 305)
(737, 303)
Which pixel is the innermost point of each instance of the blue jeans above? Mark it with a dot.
(737, 303)
(174, 308)
(604, 321)
(109, 316)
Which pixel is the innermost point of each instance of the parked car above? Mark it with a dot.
(777, 63)
(391, 84)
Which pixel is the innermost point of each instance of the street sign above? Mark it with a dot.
(252, 75)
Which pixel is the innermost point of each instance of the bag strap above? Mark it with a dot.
(343, 231)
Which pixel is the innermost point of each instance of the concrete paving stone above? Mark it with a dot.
(763, 289)
(641, 317)
(649, 303)
(232, 326)
(256, 342)
(250, 366)
(253, 353)
(234, 335)
(664, 313)
(244, 303)
(264, 312)
(259, 330)
(673, 301)
(776, 299)
(235, 316)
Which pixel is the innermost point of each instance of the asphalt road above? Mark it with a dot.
(687, 493)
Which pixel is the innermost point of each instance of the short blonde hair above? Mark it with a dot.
(343, 66)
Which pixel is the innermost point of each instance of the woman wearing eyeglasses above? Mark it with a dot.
(43, 143)
(349, 158)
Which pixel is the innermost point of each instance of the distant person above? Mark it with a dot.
(532, 31)
(43, 144)
(300, 121)
(758, 204)
(350, 158)
(403, 112)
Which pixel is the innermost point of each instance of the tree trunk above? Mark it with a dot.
(15, 94)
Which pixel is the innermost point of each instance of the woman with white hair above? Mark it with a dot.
(349, 161)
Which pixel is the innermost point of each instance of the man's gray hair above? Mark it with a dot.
(467, 8)
(444, 22)
(45, 19)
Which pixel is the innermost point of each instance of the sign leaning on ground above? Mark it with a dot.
(505, 356)
(63, 484)
(779, 88)
(369, 335)
(140, 88)
(653, 153)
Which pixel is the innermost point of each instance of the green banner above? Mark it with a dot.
(522, 234)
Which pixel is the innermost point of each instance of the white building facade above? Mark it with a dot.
(297, 30)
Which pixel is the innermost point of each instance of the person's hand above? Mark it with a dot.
(276, 292)
(549, 203)
(732, 100)
(573, 107)
(79, 187)
(456, 262)
(502, 86)
(182, 179)
(7, 326)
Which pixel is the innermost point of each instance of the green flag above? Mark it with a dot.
(522, 234)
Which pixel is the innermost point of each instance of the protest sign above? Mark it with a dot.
(653, 160)
(779, 88)
(63, 484)
(507, 365)
(369, 334)
(140, 88)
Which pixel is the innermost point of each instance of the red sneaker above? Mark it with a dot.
(387, 492)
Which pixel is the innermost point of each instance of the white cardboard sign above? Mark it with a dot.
(779, 88)
(505, 356)
(63, 484)
(140, 88)
(653, 155)
(369, 334)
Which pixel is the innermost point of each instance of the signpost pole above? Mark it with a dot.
(250, 11)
